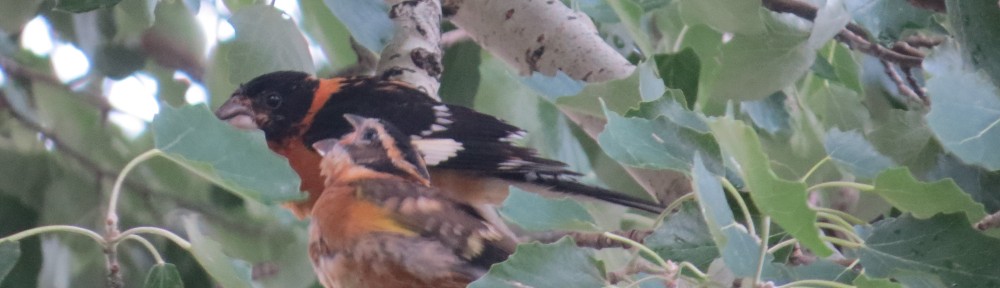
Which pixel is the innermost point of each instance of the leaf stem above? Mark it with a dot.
(841, 242)
(832, 213)
(814, 283)
(673, 205)
(643, 248)
(680, 38)
(644, 279)
(814, 168)
(850, 234)
(158, 231)
(765, 231)
(112, 220)
(55, 228)
(701, 275)
(149, 246)
(782, 244)
(843, 184)
(739, 201)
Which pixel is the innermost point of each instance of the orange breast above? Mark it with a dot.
(344, 272)
(305, 163)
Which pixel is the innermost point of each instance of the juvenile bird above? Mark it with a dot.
(378, 224)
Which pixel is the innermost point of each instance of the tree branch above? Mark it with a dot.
(414, 55)
(108, 174)
(902, 53)
(15, 70)
(853, 35)
(540, 36)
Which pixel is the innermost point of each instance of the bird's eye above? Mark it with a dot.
(273, 101)
(369, 135)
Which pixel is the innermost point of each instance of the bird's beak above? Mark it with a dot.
(329, 146)
(355, 120)
(236, 111)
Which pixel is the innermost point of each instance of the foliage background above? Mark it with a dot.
(729, 89)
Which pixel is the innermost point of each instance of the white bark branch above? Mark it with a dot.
(413, 54)
(539, 36)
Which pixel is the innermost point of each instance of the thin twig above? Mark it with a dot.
(902, 53)
(104, 173)
(904, 89)
(852, 35)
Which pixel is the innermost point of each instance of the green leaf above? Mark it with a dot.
(461, 76)
(822, 68)
(163, 276)
(78, 6)
(368, 21)
(10, 251)
(887, 19)
(650, 85)
(236, 160)
(175, 23)
(738, 248)
(559, 264)
(118, 61)
(864, 282)
(975, 25)
(853, 153)
(900, 134)
(925, 200)
(943, 249)
(830, 19)
(785, 201)
(133, 17)
(966, 107)
(631, 14)
(844, 66)
(266, 41)
(656, 144)
(753, 67)
(276, 239)
(680, 71)
(618, 95)
(981, 184)
(769, 113)
(684, 236)
(235, 5)
(553, 87)
(668, 106)
(16, 13)
(536, 213)
(226, 271)
(741, 17)
(835, 105)
(330, 34)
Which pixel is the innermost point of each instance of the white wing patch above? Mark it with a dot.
(514, 136)
(441, 119)
(437, 150)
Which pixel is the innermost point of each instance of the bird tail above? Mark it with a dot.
(546, 183)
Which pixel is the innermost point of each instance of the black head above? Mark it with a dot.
(379, 146)
(276, 102)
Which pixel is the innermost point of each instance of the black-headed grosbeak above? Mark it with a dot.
(470, 154)
(378, 224)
